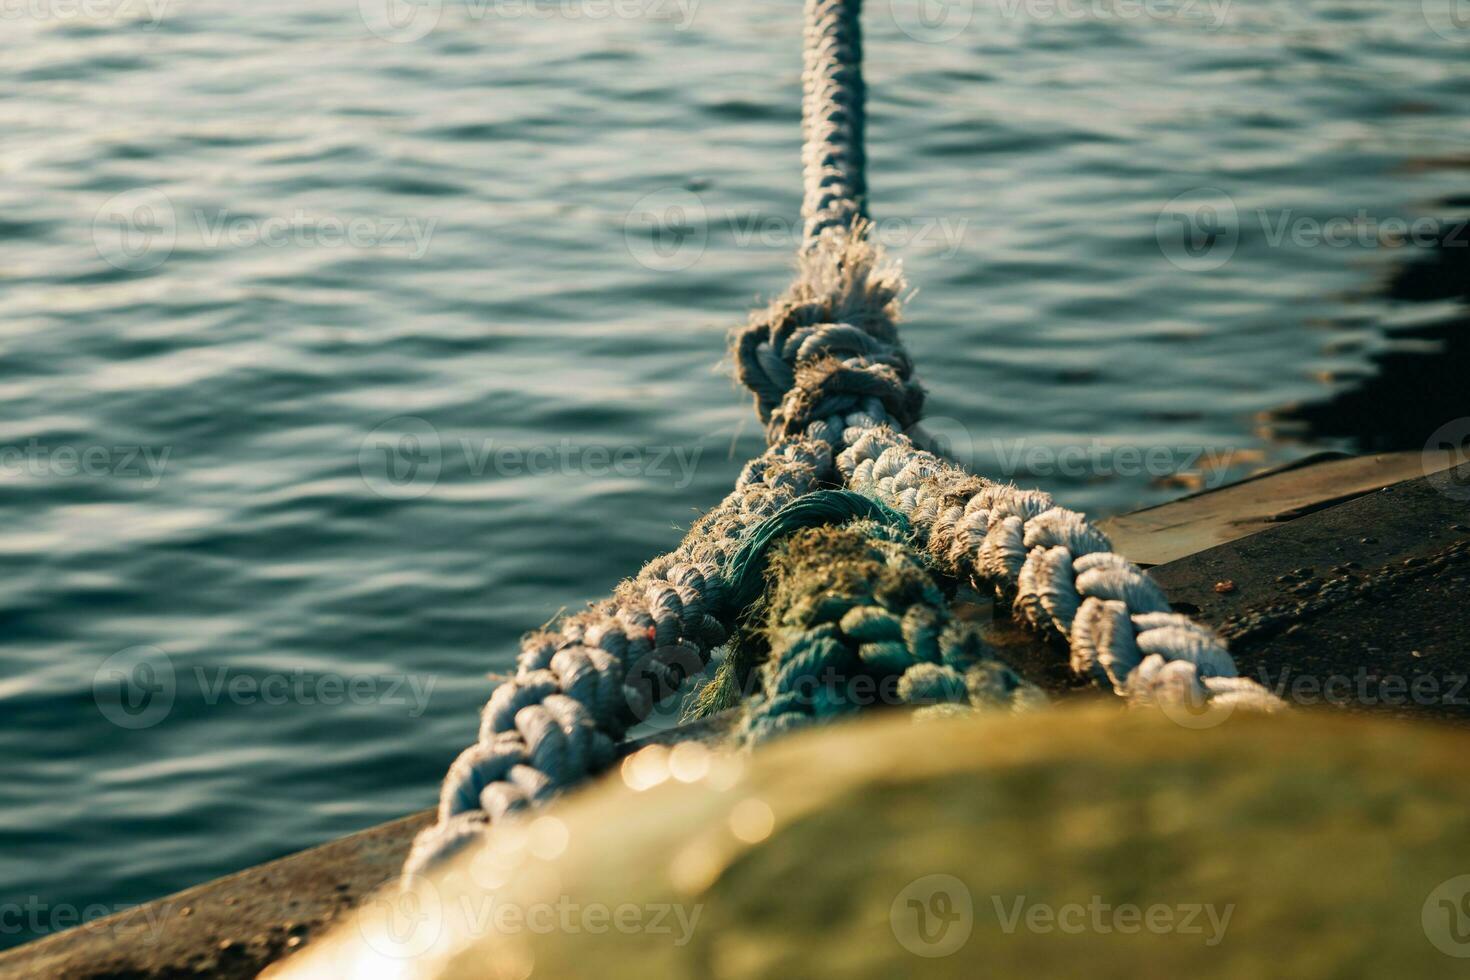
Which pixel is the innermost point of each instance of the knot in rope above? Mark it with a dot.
(830, 346)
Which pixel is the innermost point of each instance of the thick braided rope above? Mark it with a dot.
(1059, 572)
(578, 688)
(833, 167)
(825, 361)
(854, 619)
(574, 693)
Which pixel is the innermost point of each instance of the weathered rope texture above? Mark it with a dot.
(578, 687)
(833, 96)
(1057, 570)
(853, 619)
(830, 346)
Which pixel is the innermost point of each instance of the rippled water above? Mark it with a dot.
(239, 243)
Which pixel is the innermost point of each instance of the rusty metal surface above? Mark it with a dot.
(1187, 526)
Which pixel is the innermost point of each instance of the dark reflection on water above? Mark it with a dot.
(1421, 380)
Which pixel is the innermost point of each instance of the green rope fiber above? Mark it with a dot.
(745, 573)
(828, 590)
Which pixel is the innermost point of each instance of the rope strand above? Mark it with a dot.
(833, 165)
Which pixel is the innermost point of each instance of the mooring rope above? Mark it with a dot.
(852, 618)
(835, 389)
(832, 119)
(579, 687)
(1059, 572)
(848, 383)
